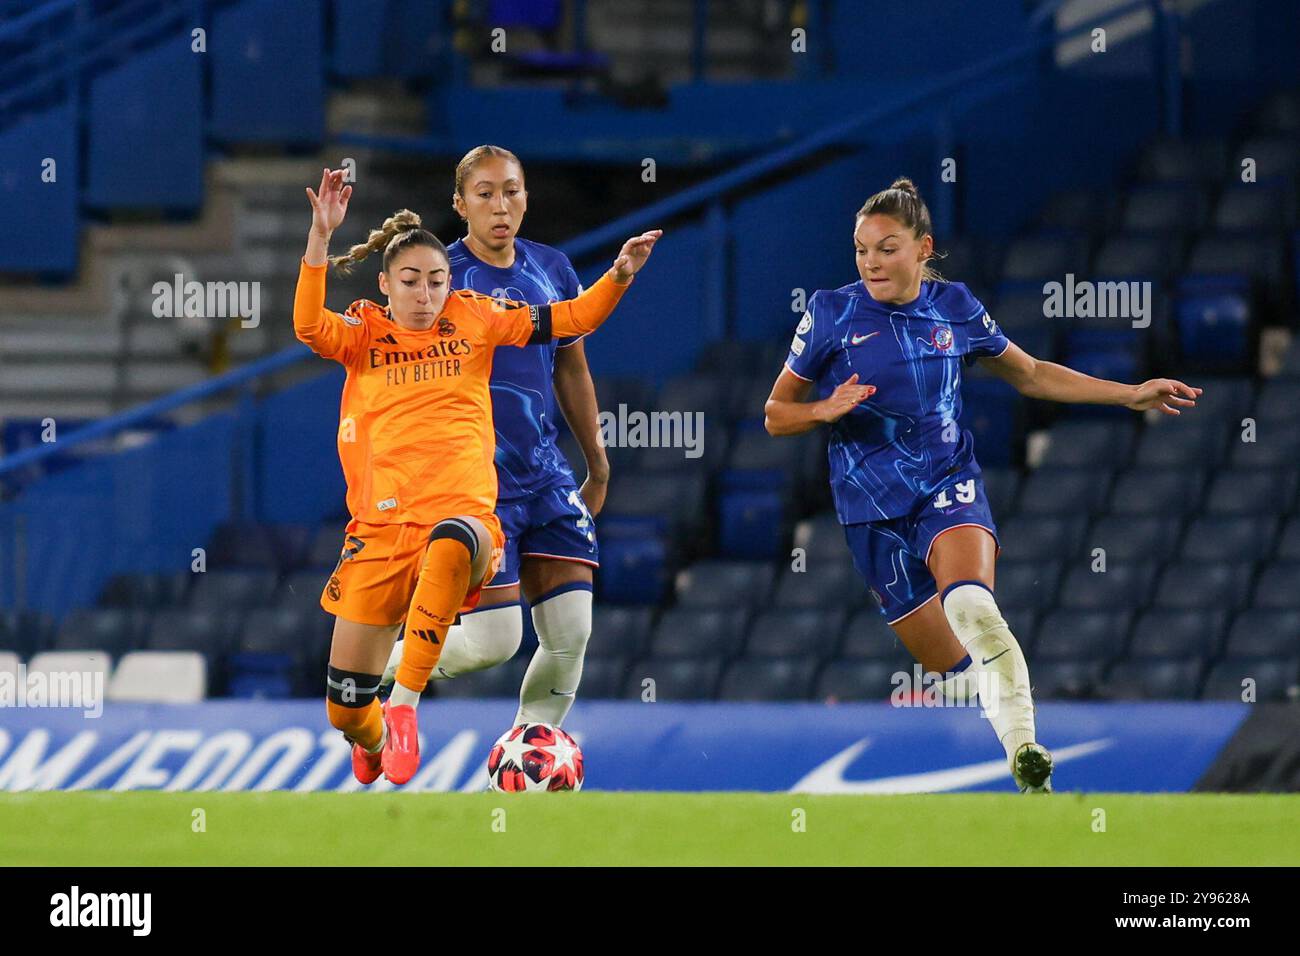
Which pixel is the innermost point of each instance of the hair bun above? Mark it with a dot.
(904, 184)
(401, 220)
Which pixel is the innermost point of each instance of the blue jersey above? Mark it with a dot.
(898, 445)
(523, 404)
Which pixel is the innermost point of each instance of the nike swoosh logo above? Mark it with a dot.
(829, 776)
(990, 660)
(563, 693)
(859, 339)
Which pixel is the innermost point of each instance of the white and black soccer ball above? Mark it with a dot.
(534, 757)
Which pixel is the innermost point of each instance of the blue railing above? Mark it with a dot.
(708, 197)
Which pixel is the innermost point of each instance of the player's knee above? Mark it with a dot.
(493, 635)
(449, 531)
(348, 695)
(563, 620)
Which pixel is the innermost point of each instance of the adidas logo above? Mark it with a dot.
(387, 339)
(428, 635)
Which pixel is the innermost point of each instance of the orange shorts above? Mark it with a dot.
(375, 579)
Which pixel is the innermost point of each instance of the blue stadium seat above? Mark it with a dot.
(1026, 538)
(211, 633)
(1288, 544)
(1228, 539)
(821, 537)
(724, 584)
(1157, 491)
(218, 590)
(1082, 635)
(1204, 585)
(1277, 158)
(246, 684)
(621, 632)
(1089, 445)
(673, 502)
(1027, 584)
(794, 633)
(1222, 254)
(786, 679)
(826, 585)
(1018, 312)
(1181, 441)
(294, 631)
(1162, 633)
(859, 680)
(754, 450)
(1252, 207)
(633, 562)
(1251, 492)
(1164, 208)
(1134, 537)
(1000, 487)
(603, 678)
(868, 637)
(1271, 679)
(167, 589)
(1049, 256)
(1214, 331)
(1225, 400)
(750, 395)
(245, 546)
(1278, 402)
(699, 633)
(1081, 211)
(1064, 491)
(964, 259)
(1154, 680)
(697, 392)
(302, 589)
(1265, 632)
(1137, 258)
(111, 630)
(1278, 585)
(25, 632)
(326, 547)
(632, 391)
(1174, 160)
(674, 679)
(1122, 584)
(992, 410)
(1066, 680)
(1276, 445)
(751, 521)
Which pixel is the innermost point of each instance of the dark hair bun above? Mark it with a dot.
(905, 185)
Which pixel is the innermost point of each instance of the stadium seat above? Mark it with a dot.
(300, 633)
(1265, 632)
(111, 630)
(1027, 584)
(302, 589)
(1226, 400)
(147, 590)
(1082, 635)
(1137, 258)
(245, 546)
(1122, 584)
(724, 584)
(1252, 207)
(1157, 491)
(1082, 211)
(1163, 633)
(806, 633)
(1089, 444)
(673, 502)
(1214, 331)
(226, 590)
(602, 678)
(325, 548)
(782, 679)
(1288, 545)
(1000, 487)
(633, 563)
(963, 259)
(1164, 208)
(674, 679)
(821, 537)
(210, 633)
(1154, 680)
(1049, 256)
(1223, 254)
(699, 633)
(1278, 401)
(1180, 442)
(165, 677)
(1251, 492)
(1278, 585)
(263, 683)
(751, 521)
(856, 680)
(1064, 491)
(993, 412)
(868, 637)
(1277, 158)
(1133, 537)
(1026, 538)
(1204, 585)
(829, 584)
(1066, 680)
(1268, 679)
(619, 632)
(1174, 160)
(25, 632)
(1247, 538)
(1276, 445)
(72, 662)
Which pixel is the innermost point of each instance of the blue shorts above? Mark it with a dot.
(892, 555)
(553, 523)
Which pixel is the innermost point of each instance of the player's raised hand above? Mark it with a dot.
(1164, 394)
(634, 254)
(846, 397)
(330, 204)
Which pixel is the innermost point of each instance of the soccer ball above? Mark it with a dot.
(531, 757)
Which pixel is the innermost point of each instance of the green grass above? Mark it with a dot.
(150, 828)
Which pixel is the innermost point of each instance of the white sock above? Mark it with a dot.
(563, 624)
(481, 640)
(403, 696)
(996, 656)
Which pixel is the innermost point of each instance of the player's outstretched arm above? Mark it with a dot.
(1035, 378)
(313, 324)
(786, 412)
(586, 313)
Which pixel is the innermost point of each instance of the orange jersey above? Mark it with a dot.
(415, 424)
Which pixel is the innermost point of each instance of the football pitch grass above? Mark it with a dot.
(638, 829)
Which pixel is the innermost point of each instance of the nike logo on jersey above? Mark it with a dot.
(859, 339)
(990, 660)
(563, 693)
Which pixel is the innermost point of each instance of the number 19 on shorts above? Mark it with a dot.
(964, 490)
